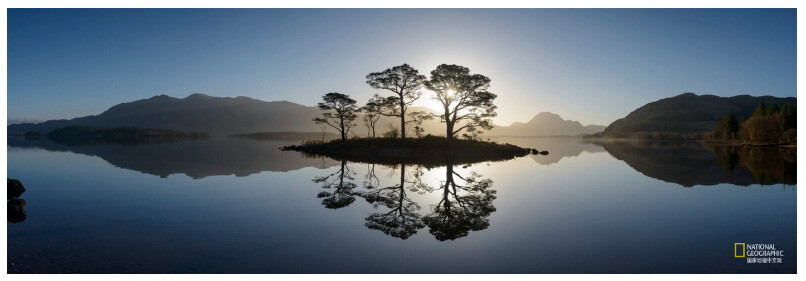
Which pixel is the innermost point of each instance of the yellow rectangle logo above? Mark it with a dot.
(739, 250)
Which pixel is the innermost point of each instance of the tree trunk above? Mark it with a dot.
(447, 192)
(402, 118)
(449, 132)
(343, 133)
(448, 124)
(402, 175)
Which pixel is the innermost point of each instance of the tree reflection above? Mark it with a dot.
(402, 220)
(462, 208)
(342, 188)
(464, 202)
(14, 204)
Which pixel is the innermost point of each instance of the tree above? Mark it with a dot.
(324, 131)
(464, 98)
(417, 118)
(727, 127)
(343, 117)
(405, 82)
(372, 113)
(760, 110)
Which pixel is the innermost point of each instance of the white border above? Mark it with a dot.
(407, 4)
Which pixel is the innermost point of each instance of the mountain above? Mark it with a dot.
(213, 115)
(687, 113)
(21, 120)
(546, 124)
(196, 113)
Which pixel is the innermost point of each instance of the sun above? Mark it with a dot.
(427, 100)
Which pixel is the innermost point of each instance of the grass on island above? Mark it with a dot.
(427, 151)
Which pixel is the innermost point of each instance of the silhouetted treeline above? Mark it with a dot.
(467, 106)
(767, 125)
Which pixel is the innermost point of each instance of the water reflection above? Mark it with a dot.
(16, 210)
(14, 204)
(692, 163)
(558, 147)
(194, 158)
(461, 203)
(684, 163)
(462, 208)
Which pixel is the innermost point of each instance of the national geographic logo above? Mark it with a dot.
(739, 250)
(758, 253)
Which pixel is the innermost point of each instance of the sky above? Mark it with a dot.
(590, 65)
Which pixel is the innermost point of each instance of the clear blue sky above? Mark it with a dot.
(589, 65)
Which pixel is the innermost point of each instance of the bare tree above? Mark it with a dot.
(372, 113)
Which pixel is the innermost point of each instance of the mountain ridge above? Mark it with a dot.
(545, 124)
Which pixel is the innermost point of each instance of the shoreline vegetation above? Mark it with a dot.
(83, 135)
(429, 151)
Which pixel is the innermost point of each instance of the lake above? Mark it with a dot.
(226, 205)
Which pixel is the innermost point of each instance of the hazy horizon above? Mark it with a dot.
(591, 66)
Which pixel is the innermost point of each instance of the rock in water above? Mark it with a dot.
(16, 210)
(15, 188)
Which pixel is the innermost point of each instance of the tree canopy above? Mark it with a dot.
(405, 82)
(464, 98)
(344, 113)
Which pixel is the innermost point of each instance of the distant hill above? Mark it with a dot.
(546, 124)
(21, 120)
(686, 114)
(196, 113)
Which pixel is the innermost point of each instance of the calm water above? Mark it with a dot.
(242, 206)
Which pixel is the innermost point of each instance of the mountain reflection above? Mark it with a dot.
(194, 158)
(693, 163)
(461, 205)
(558, 147)
(242, 156)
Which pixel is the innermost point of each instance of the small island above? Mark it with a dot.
(467, 109)
(429, 151)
